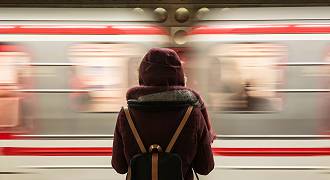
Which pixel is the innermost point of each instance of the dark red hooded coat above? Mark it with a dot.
(161, 78)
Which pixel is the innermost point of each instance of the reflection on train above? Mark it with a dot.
(236, 69)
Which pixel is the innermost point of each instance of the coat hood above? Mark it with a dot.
(161, 67)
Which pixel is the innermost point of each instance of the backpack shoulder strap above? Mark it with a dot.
(179, 129)
(134, 130)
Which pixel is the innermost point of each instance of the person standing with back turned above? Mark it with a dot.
(161, 79)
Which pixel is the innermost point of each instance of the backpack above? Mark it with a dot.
(156, 164)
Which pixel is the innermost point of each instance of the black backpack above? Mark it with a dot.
(156, 164)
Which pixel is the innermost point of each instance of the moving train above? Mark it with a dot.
(264, 73)
(270, 64)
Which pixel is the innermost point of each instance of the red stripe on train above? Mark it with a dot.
(107, 151)
(81, 29)
(57, 151)
(4, 136)
(263, 29)
(271, 151)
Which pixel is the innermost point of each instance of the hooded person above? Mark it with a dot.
(161, 79)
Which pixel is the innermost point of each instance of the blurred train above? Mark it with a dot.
(264, 73)
(265, 70)
(77, 61)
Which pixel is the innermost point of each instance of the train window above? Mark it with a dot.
(13, 73)
(243, 77)
(101, 69)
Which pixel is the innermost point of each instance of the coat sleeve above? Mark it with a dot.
(211, 131)
(118, 160)
(203, 162)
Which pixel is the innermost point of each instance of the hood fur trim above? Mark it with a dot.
(168, 96)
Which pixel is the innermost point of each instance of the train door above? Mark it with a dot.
(325, 125)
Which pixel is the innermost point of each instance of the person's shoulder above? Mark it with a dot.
(121, 116)
(132, 92)
(198, 97)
